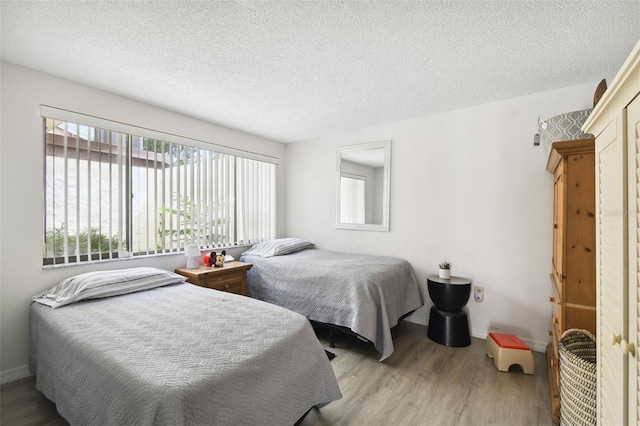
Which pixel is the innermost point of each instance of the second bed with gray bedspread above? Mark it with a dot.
(367, 294)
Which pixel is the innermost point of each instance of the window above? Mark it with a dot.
(111, 194)
(352, 199)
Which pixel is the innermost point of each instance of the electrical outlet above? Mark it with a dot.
(478, 293)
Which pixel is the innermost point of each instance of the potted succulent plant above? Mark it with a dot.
(445, 270)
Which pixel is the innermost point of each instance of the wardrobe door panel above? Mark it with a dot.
(611, 234)
(633, 141)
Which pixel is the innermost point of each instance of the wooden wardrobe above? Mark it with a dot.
(573, 276)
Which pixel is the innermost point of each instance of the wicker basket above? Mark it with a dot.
(577, 378)
(563, 127)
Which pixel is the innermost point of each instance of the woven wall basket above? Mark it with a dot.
(577, 378)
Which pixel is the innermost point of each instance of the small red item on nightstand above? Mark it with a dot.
(207, 259)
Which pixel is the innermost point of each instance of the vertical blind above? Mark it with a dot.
(111, 194)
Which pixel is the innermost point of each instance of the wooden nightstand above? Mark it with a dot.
(231, 277)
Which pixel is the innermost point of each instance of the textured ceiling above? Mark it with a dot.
(291, 71)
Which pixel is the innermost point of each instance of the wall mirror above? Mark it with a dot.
(362, 186)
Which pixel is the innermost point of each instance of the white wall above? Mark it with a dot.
(467, 186)
(21, 194)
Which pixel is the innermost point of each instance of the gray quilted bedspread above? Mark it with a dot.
(367, 294)
(178, 355)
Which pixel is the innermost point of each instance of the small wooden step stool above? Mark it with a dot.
(507, 350)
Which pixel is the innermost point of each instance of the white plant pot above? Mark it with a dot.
(445, 274)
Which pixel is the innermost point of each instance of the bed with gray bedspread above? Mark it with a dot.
(367, 294)
(178, 355)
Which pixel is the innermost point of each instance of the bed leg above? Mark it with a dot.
(332, 341)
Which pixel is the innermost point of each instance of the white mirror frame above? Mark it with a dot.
(386, 184)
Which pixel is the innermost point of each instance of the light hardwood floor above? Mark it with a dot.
(422, 383)
(425, 383)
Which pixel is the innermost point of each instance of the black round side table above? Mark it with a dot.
(448, 323)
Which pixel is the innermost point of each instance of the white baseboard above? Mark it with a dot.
(14, 374)
(422, 318)
(534, 345)
(418, 318)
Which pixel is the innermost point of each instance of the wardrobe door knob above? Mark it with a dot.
(615, 338)
(627, 348)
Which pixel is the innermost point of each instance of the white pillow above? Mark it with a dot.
(94, 285)
(278, 247)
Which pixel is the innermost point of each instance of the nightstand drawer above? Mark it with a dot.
(219, 281)
(232, 283)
